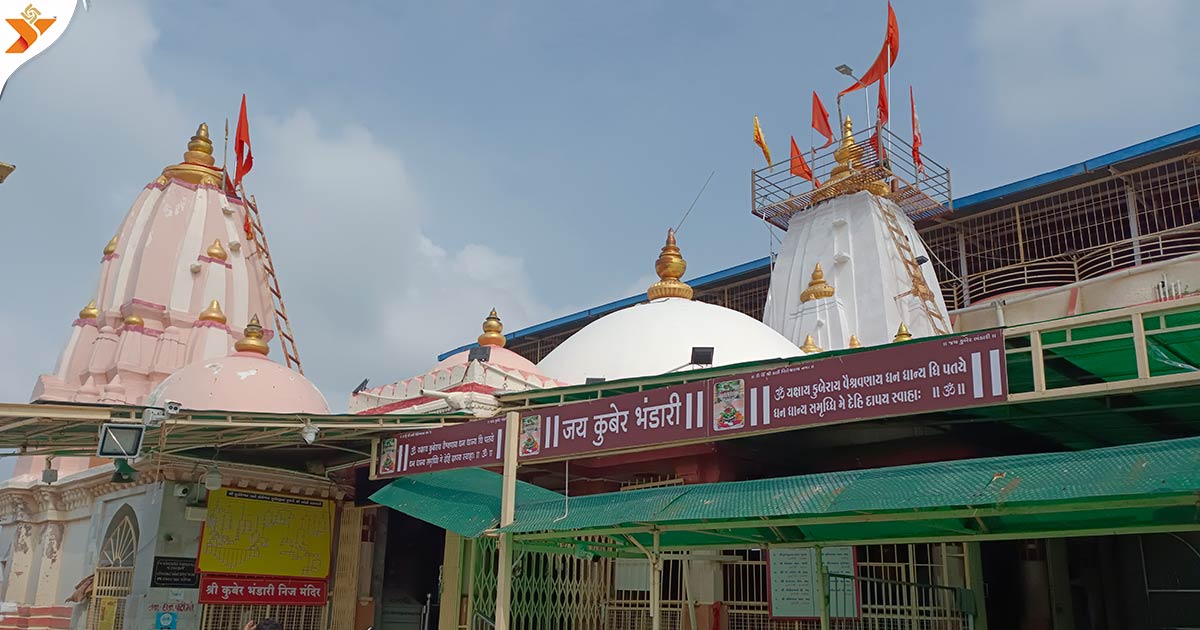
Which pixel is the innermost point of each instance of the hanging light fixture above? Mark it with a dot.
(212, 479)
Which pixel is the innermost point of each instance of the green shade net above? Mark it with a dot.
(465, 501)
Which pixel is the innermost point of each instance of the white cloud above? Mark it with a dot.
(368, 292)
(1086, 62)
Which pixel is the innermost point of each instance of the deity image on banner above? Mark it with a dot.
(387, 456)
(531, 436)
(729, 404)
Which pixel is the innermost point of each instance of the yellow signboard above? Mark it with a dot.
(106, 613)
(257, 533)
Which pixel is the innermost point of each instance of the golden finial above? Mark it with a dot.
(854, 342)
(252, 339)
(902, 334)
(200, 148)
(213, 313)
(849, 158)
(817, 288)
(111, 248)
(217, 251)
(492, 331)
(5, 171)
(670, 267)
(810, 346)
(198, 161)
(90, 311)
(133, 320)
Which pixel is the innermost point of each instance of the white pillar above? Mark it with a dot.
(508, 498)
(655, 587)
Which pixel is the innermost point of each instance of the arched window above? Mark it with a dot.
(120, 540)
(113, 579)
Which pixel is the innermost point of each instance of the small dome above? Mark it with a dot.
(501, 357)
(243, 381)
(658, 337)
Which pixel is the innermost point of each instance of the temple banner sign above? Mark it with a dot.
(938, 374)
(470, 444)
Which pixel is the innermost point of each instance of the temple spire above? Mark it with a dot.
(493, 331)
(198, 165)
(670, 267)
(252, 339)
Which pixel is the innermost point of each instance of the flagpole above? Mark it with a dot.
(887, 76)
(866, 101)
(225, 159)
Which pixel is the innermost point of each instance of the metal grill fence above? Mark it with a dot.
(1126, 219)
(234, 617)
(111, 587)
(897, 587)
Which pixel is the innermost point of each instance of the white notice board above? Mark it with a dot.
(794, 582)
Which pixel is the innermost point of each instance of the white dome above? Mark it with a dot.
(658, 337)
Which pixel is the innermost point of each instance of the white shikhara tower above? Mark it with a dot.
(850, 271)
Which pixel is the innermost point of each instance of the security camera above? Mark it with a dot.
(172, 407)
(309, 433)
(182, 490)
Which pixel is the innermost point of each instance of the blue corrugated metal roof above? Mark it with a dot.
(604, 309)
(960, 205)
(1103, 161)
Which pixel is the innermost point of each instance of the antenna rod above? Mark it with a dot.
(689, 210)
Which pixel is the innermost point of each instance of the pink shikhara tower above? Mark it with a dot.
(179, 283)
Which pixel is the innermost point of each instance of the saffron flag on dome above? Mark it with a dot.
(916, 130)
(761, 142)
(820, 120)
(241, 146)
(800, 167)
(886, 58)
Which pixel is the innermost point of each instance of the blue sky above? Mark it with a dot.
(420, 163)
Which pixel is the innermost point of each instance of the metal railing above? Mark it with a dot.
(1129, 330)
(778, 194)
(1121, 220)
(1079, 266)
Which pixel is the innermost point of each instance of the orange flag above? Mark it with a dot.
(881, 119)
(800, 167)
(761, 141)
(820, 120)
(241, 146)
(916, 128)
(887, 56)
(882, 113)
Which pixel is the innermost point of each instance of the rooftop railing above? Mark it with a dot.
(922, 193)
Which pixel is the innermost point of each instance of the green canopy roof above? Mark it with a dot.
(465, 501)
(1143, 487)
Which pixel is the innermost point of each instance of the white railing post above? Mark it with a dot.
(1139, 346)
(1038, 361)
